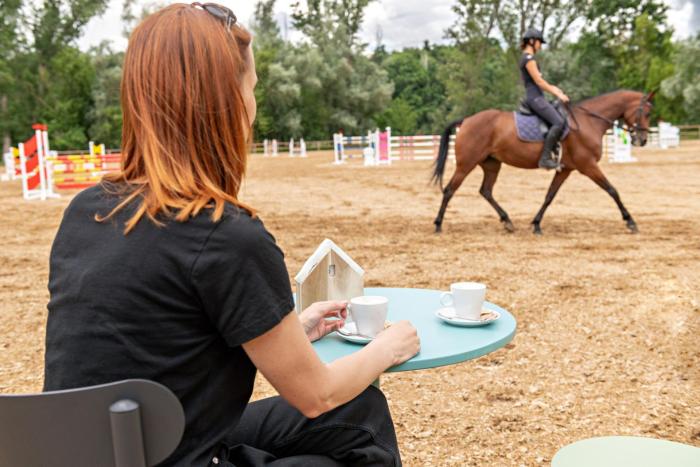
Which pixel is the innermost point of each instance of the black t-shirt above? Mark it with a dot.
(172, 304)
(532, 90)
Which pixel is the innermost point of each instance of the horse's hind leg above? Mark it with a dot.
(557, 182)
(455, 182)
(593, 172)
(491, 168)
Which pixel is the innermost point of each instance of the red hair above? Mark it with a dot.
(185, 125)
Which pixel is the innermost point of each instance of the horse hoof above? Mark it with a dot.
(438, 229)
(633, 228)
(508, 225)
(537, 230)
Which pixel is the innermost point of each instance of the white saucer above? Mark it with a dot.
(349, 333)
(449, 316)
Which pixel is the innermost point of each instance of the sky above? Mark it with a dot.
(400, 23)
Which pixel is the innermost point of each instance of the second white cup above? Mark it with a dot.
(467, 298)
(369, 314)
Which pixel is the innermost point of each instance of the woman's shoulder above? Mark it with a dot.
(237, 222)
(93, 198)
(238, 235)
(526, 57)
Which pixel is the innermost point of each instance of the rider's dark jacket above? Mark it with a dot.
(534, 96)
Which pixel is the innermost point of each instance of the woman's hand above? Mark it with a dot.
(400, 340)
(322, 318)
(561, 96)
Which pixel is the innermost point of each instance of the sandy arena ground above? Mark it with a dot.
(608, 322)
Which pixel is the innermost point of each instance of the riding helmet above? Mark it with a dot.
(534, 34)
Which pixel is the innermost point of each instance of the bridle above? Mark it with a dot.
(634, 130)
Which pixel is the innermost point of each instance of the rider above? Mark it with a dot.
(534, 97)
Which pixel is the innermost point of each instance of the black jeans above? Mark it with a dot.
(546, 112)
(273, 433)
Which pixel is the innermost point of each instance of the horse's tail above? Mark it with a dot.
(441, 160)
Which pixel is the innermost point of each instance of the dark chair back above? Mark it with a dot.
(134, 423)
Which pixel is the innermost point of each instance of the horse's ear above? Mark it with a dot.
(651, 95)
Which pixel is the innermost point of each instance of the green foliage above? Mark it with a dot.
(66, 106)
(57, 23)
(417, 91)
(683, 86)
(400, 116)
(507, 20)
(268, 47)
(10, 44)
(470, 70)
(106, 114)
(645, 59)
(615, 20)
(320, 87)
(330, 23)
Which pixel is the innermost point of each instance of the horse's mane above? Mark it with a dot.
(588, 99)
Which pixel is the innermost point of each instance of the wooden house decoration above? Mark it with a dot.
(329, 274)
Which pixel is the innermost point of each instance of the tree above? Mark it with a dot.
(265, 28)
(68, 101)
(417, 91)
(400, 116)
(480, 78)
(342, 92)
(55, 76)
(10, 43)
(645, 59)
(582, 69)
(507, 20)
(683, 86)
(277, 92)
(57, 23)
(345, 89)
(615, 20)
(106, 114)
(330, 23)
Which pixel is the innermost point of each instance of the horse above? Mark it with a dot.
(489, 139)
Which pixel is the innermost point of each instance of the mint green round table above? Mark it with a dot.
(441, 343)
(622, 451)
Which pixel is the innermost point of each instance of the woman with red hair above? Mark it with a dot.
(161, 273)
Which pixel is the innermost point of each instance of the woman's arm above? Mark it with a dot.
(531, 67)
(286, 358)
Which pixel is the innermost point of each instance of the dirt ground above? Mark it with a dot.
(608, 322)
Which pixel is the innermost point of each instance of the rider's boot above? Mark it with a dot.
(546, 160)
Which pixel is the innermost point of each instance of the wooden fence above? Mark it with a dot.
(689, 131)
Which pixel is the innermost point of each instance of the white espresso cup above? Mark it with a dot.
(467, 298)
(369, 314)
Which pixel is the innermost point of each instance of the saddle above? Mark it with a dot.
(533, 129)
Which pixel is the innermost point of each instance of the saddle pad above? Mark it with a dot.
(532, 129)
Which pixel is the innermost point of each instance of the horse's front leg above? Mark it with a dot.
(592, 171)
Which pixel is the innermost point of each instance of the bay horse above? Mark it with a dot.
(489, 139)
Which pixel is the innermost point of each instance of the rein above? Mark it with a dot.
(633, 130)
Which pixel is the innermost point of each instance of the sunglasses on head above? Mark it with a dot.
(219, 12)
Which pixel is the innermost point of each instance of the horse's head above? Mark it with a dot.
(637, 117)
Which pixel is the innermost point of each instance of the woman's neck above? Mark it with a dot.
(529, 50)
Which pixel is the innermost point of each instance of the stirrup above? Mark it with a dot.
(554, 166)
(549, 163)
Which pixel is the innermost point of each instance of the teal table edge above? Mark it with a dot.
(500, 333)
(461, 356)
